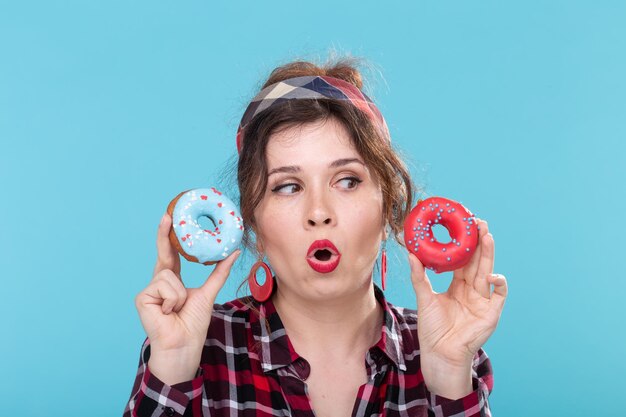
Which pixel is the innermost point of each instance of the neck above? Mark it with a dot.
(346, 324)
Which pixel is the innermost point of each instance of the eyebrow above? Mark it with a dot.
(292, 169)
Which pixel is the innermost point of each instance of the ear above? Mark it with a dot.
(386, 231)
(257, 238)
(259, 245)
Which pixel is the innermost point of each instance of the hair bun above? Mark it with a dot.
(347, 71)
(345, 68)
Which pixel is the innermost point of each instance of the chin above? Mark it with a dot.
(328, 287)
(320, 287)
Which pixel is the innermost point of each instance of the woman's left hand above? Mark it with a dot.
(452, 326)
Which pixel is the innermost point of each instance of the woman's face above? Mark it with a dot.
(319, 189)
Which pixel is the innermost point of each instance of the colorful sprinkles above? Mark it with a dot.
(460, 223)
(207, 245)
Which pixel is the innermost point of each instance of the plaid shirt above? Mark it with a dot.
(247, 371)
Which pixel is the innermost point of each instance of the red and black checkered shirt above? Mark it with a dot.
(247, 371)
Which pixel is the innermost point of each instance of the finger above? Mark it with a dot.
(216, 280)
(500, 292)
(169, 276)
(421, 283)
(457, 285)
(167, 255)
(485, 266)
(169, 295)
(159, 293)
(469, 270)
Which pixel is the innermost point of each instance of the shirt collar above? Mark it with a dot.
(272, 345)
(391, 341)
(275, 349)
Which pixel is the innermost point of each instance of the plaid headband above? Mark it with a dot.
(308, 87)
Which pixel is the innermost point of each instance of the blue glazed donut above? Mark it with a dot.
(202, 245)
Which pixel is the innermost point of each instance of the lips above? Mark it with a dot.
(328, 255)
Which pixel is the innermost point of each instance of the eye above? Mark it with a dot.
(289, 186)
(354, 181)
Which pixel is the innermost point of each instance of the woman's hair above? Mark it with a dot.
(385, 164)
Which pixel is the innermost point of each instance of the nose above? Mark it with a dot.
(313, 222)
(319, 210)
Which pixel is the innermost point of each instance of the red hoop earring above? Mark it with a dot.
(263, 292)
(383, 269)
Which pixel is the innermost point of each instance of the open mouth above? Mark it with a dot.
(323, 256)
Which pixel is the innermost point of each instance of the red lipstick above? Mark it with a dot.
(323, 256)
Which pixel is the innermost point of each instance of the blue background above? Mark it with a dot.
(109, 109)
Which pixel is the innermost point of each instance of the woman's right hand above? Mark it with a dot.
(176, 319)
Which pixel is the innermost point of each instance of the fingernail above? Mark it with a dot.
(163, 219)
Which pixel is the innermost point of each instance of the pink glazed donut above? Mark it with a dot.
(461, 225)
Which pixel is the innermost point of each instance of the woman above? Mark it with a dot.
(321, 189)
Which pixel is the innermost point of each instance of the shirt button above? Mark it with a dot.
(169, 411)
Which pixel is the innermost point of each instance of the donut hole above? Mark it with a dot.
(441, 234)
(206, 223)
